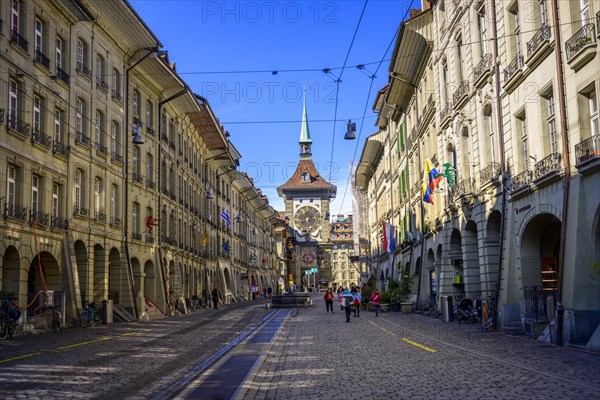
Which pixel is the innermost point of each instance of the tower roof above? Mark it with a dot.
(305, 132)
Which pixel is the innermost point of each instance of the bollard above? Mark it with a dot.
(560, 315)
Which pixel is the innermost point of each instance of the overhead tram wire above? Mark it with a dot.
(337, 87)
(368, 101)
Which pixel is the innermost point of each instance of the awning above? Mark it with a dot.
(371, 154)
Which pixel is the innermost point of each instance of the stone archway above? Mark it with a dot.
(455, 258)
(138, 276)
(44, 275)
(431, 288)
(83, 271)
(11, 271)
(99, 274)
(149, 281)
(539, 250)
(472, 280)
(491, 255)
(117, 278)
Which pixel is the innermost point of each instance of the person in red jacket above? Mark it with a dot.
(376, 300)
(328, 300)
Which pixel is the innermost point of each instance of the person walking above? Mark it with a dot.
(347, 301)
(340, 291)
(215, 298)
(328, 300)
(376, 300)
(356, 300)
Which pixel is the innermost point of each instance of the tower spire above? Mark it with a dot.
(305, 140)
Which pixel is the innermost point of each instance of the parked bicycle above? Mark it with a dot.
(8, 326)
(56, 321)
(89, 316)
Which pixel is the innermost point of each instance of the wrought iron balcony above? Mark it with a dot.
(515, 66)
(1, 115)
(61, 149)
(521, 180)
(116, 157)
(100, 148)
(62, 75)
(41, 138)
(584, 38)
(173, 196)
(483, 67)
(59, 223)
(136, 236)
(80, 211)
(150, 131)
(115, 95)
(15, 211)
(101, 84)
(446, 112)
(115, 222)
(542, 36)
(149, 238)
(19, 40)
(463, 187)
(460, 93)
(172, 145)
(164, 138)
(42, 59)
(18, 126)
(588, 149)
(83, 69)
(547, 165)
(99, 216)
(82, 139)
(137, 177)
(490, 172)
(150, 184)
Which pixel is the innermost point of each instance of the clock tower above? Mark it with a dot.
(307, 196)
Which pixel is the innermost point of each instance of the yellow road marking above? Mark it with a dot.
(83, 343)
(419, 345)
(18, 357)
(405, 339)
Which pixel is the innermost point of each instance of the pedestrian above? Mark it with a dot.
(13, 309)
(270, 292)
(347, 300)
(215, 298)
(356, 299)
(328, 300)
(340, 298)
(376, 300)
(264, 292)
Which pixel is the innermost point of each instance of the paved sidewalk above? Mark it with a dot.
(397, 356)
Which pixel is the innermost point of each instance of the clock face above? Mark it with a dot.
(307, 219)
(308, 257)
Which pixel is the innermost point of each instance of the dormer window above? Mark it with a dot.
(305, 177)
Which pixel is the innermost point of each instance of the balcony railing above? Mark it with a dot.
(19, 40)
(548, 164)
(81, 138)
(136, 236)
(149, 238)
(80, 211)
(39, 218)
(446, 112)
(535, 300)
(116, 222)
(543, 35)
(15, 211)
(585, 37)
(173, 196)
(172, 145)
(83, 69)
(16, 125)
(460, 92)
(150, 131)
(101, 84)
(164, 138)
(41, 138)
(116, 157)
(521, 180)
(150, 184)
(1, 115)
(137, 177)
(99, 216)
(59, 223)
(587, 149)
(484, 66)
(463, 187)
(42, 59)
(515, 66)
(61, 149)
(116, 95)
(100, 148)
(490, 172)
(62, 75)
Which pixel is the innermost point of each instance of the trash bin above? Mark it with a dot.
(447, 309)
(107, 312)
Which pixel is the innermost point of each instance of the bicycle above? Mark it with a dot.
(8, 326)
(488, 312)
(56, 319)
(89, 316)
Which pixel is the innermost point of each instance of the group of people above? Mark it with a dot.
(350, 300)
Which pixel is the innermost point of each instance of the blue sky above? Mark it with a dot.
(211, 42)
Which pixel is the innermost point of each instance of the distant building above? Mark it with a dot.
(344, 272)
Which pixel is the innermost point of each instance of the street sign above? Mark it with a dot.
(315, 270)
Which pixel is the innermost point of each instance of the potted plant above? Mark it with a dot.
(395, 295)
(404, 290)
(385, 301)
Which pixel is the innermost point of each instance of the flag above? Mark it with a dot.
(226, 247)
(389, 244)
(431, 180)
(225, 217)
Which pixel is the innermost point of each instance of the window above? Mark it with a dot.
(82, 56)
(98, 189)
(149, 167)
(59, 53)
(116, 84)
(543, 12)
(39, 37)
(35, 193)
(445, 80)
(593, 106)
(136, 104)
(149, 114)
(15, 16)
(13, 102)
(11, 187)
(78, 190)
(114, 201)
(489, 126)
(58, 121)
(584, 11)
(136, 161)
(55, 200)
(517, 32)
(136, 218)
(79, 117)
(99, 70)
(114, 136)
(459, 61)
(551, 124)
(306, 177)
(99, 127)
(482, 31)
(37, 114)
(522, 129)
